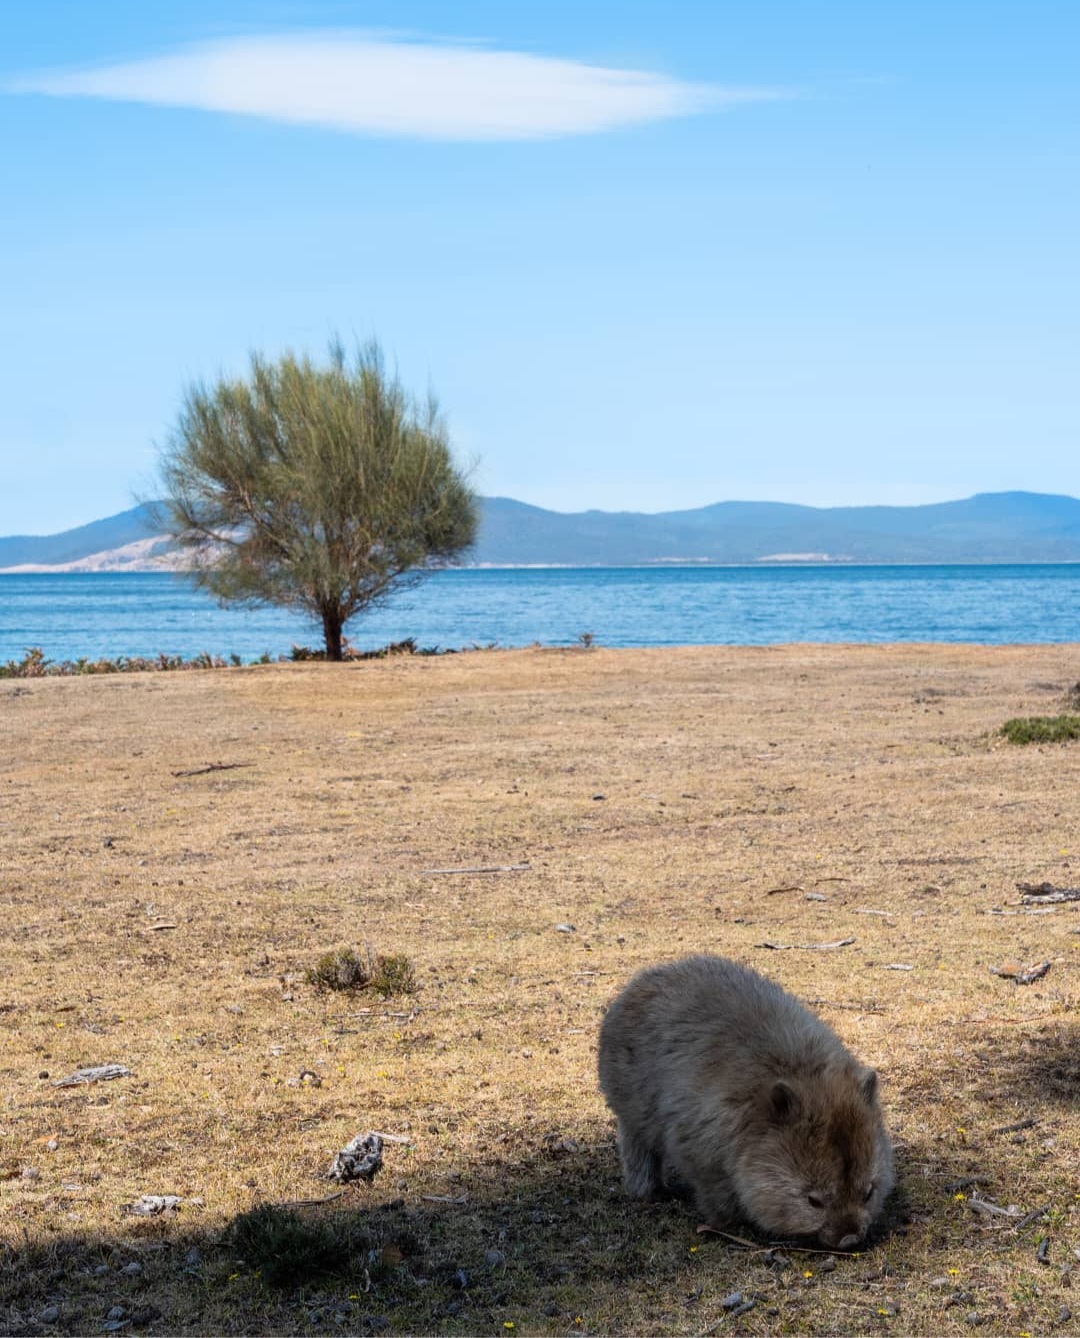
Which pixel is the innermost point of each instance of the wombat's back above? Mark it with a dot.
(713, 1013)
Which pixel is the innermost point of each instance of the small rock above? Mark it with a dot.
(732, 1302)
(44, 1073)
(193, 1260)
(460, 1279)
(828, 1264)
(550, 1310)
(973, 1318)
(493, 1258)
(565, 929)
(52, 1144)
(50, 1314)
(599, 796)
(938, 1283)
(99, 1270)
(133, 1269)
(743, 1309)
(31, 1173)
(1063, 1315)
(116, 1312)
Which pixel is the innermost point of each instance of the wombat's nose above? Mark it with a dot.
(848, 1242)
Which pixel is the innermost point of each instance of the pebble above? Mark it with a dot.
(551, 1310)
(1063, 1315)
(730, 1302)
(133, 1269)
(973, 1318)
(493, 1258)
(50, 1314)
(193, 1260)
(31, 1173)
(116, 1312)
(938, 1283)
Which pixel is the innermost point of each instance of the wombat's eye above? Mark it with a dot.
(868, 1195)
(815, 1201)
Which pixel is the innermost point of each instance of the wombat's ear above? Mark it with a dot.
(868, 1085)
(783, 1103)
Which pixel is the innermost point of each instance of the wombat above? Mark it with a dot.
(725, 1085)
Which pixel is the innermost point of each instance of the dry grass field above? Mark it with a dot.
(161, 915)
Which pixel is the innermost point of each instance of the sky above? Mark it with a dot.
(649, 255)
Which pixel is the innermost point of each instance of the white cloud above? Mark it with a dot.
(366, 85)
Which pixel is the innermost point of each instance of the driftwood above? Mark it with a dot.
(1046, 894)
(1023, 975)
(213, 766)
(481, 868)
(805, 947)
(102, 1073)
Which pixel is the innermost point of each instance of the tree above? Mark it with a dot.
(321, 488)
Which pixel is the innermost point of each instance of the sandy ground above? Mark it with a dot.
(158, 914)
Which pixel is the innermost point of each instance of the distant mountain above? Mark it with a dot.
(990, 527)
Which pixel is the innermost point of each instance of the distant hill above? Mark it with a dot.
(990, 527)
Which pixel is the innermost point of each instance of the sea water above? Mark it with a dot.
(71, 615)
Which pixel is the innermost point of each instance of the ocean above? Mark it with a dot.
(112, 614)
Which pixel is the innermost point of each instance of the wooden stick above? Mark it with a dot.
(214, 766)
(482, 868)
(307, 1203)
(805, 947)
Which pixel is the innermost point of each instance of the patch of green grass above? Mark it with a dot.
(286, 1251)
(1042, 728)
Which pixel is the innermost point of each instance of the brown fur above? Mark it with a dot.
(723, 1083)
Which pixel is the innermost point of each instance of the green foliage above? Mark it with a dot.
(393, 974)
(319, 488)
(341, 969)
(35, 665)
(1042, 728)
(287, 1251)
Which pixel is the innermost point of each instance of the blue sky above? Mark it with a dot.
(650, 255)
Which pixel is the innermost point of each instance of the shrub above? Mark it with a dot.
(341, 969)
(287, 1251)
(1042, 728)
(393, 974)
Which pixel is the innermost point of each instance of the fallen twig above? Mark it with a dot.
(482, 868)
(1029, 1123)
(805, 947)
(847, 1007)
(1033, 1216)
(445, 1198)
(791, 887)
(865, 910)
(213, 766)
(308, 1203)
(992, 1209)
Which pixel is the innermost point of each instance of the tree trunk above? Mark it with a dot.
(332, 624)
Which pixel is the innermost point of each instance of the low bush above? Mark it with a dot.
(1042, 728)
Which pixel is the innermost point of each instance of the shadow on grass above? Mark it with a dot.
(1042, 1065)
(548, 1245)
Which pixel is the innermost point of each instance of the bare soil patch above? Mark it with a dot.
(177, 851)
